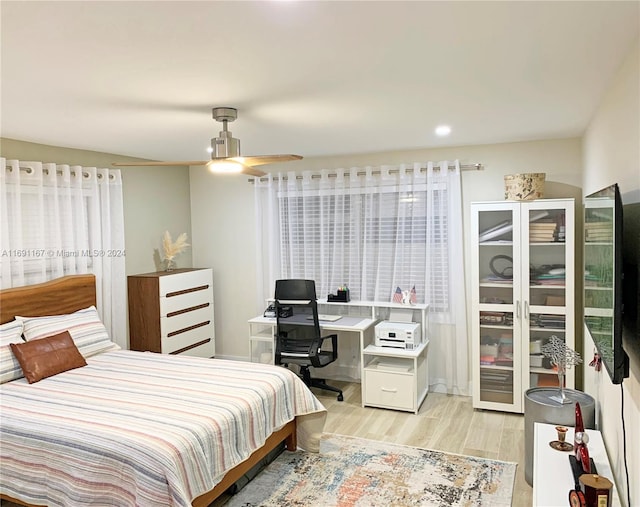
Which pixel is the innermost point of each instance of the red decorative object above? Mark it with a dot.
(580, 441)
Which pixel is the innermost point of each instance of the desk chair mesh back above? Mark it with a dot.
(298, 337)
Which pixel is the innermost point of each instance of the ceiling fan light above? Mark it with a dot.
(225, 166)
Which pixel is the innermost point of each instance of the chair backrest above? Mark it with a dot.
(297, 324)
(295, 289)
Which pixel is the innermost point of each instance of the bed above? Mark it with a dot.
(138, 428)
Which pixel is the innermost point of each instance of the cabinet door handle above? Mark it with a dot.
(518, 309)
(526, 310)
(387, 390)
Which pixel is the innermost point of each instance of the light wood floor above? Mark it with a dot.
(444, 423)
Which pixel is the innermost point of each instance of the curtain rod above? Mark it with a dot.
(29, 170)
(463, 167)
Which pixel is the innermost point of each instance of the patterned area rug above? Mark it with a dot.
(356, 472)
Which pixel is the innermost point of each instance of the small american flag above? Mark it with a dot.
(412, 296)
(397, 295)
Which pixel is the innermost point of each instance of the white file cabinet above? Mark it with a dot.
(172, 312)
(395, 379)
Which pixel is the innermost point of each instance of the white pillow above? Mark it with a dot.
(11, 332)
(84, 326)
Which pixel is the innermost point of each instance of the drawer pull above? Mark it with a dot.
(387, 390)
(186, 291)
(185, 310)
(192, 346)
(185, 329)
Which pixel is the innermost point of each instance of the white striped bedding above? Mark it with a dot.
(136, 428)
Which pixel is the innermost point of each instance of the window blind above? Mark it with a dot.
(373, 242)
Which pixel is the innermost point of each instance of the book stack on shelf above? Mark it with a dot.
(598, 232)
(496, 385)
(550, 276)
(543, 232)
(547, 320)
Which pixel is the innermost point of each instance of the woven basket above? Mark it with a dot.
(524, 187)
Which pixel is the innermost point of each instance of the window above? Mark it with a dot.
(373, 234)
(58, 220)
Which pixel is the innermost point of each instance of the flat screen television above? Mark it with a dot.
(631, 281)
(603, 278)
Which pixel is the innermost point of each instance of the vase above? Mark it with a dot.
(169, 264)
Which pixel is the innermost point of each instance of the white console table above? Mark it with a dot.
(552, 475)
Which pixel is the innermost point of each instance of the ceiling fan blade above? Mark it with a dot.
(184, 162)
(253, 172)
(265, 159)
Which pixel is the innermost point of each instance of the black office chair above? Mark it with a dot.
(298, 337)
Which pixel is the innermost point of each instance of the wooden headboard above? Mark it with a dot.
(56, 297)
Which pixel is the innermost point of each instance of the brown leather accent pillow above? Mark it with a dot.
(46, 357)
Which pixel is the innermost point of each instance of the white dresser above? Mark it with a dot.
(172, 312)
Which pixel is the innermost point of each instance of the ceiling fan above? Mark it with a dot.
(225, 152)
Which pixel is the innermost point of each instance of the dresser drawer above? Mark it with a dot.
(389, 390)
(183, 282)
(181, 321)
(184, 339)
(205, 350)
(184, 301)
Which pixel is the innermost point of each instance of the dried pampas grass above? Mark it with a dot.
(171, 248)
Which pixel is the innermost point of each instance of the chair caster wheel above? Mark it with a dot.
(340, 397)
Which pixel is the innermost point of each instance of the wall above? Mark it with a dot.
(612, 155)
(222, 213)
(155, 199)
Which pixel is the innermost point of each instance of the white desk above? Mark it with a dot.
(262, 332)
(391, 378)
(346, 323)
(552, 475)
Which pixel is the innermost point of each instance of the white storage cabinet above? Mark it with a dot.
(523, 292)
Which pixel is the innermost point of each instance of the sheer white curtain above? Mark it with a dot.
(374, 230)
(58, 220)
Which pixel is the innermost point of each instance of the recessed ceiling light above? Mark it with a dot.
(443, 130)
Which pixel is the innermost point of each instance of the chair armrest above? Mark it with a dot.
(334, 344)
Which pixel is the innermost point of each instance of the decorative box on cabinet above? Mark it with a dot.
(172, 312)
(523, 279)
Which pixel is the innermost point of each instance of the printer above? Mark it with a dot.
(398, 335)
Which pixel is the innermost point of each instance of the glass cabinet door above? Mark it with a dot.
(497, 304)
(545, 288)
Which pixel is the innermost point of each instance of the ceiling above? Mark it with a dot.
(310, 78)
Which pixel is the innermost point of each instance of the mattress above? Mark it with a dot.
(138, 428)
